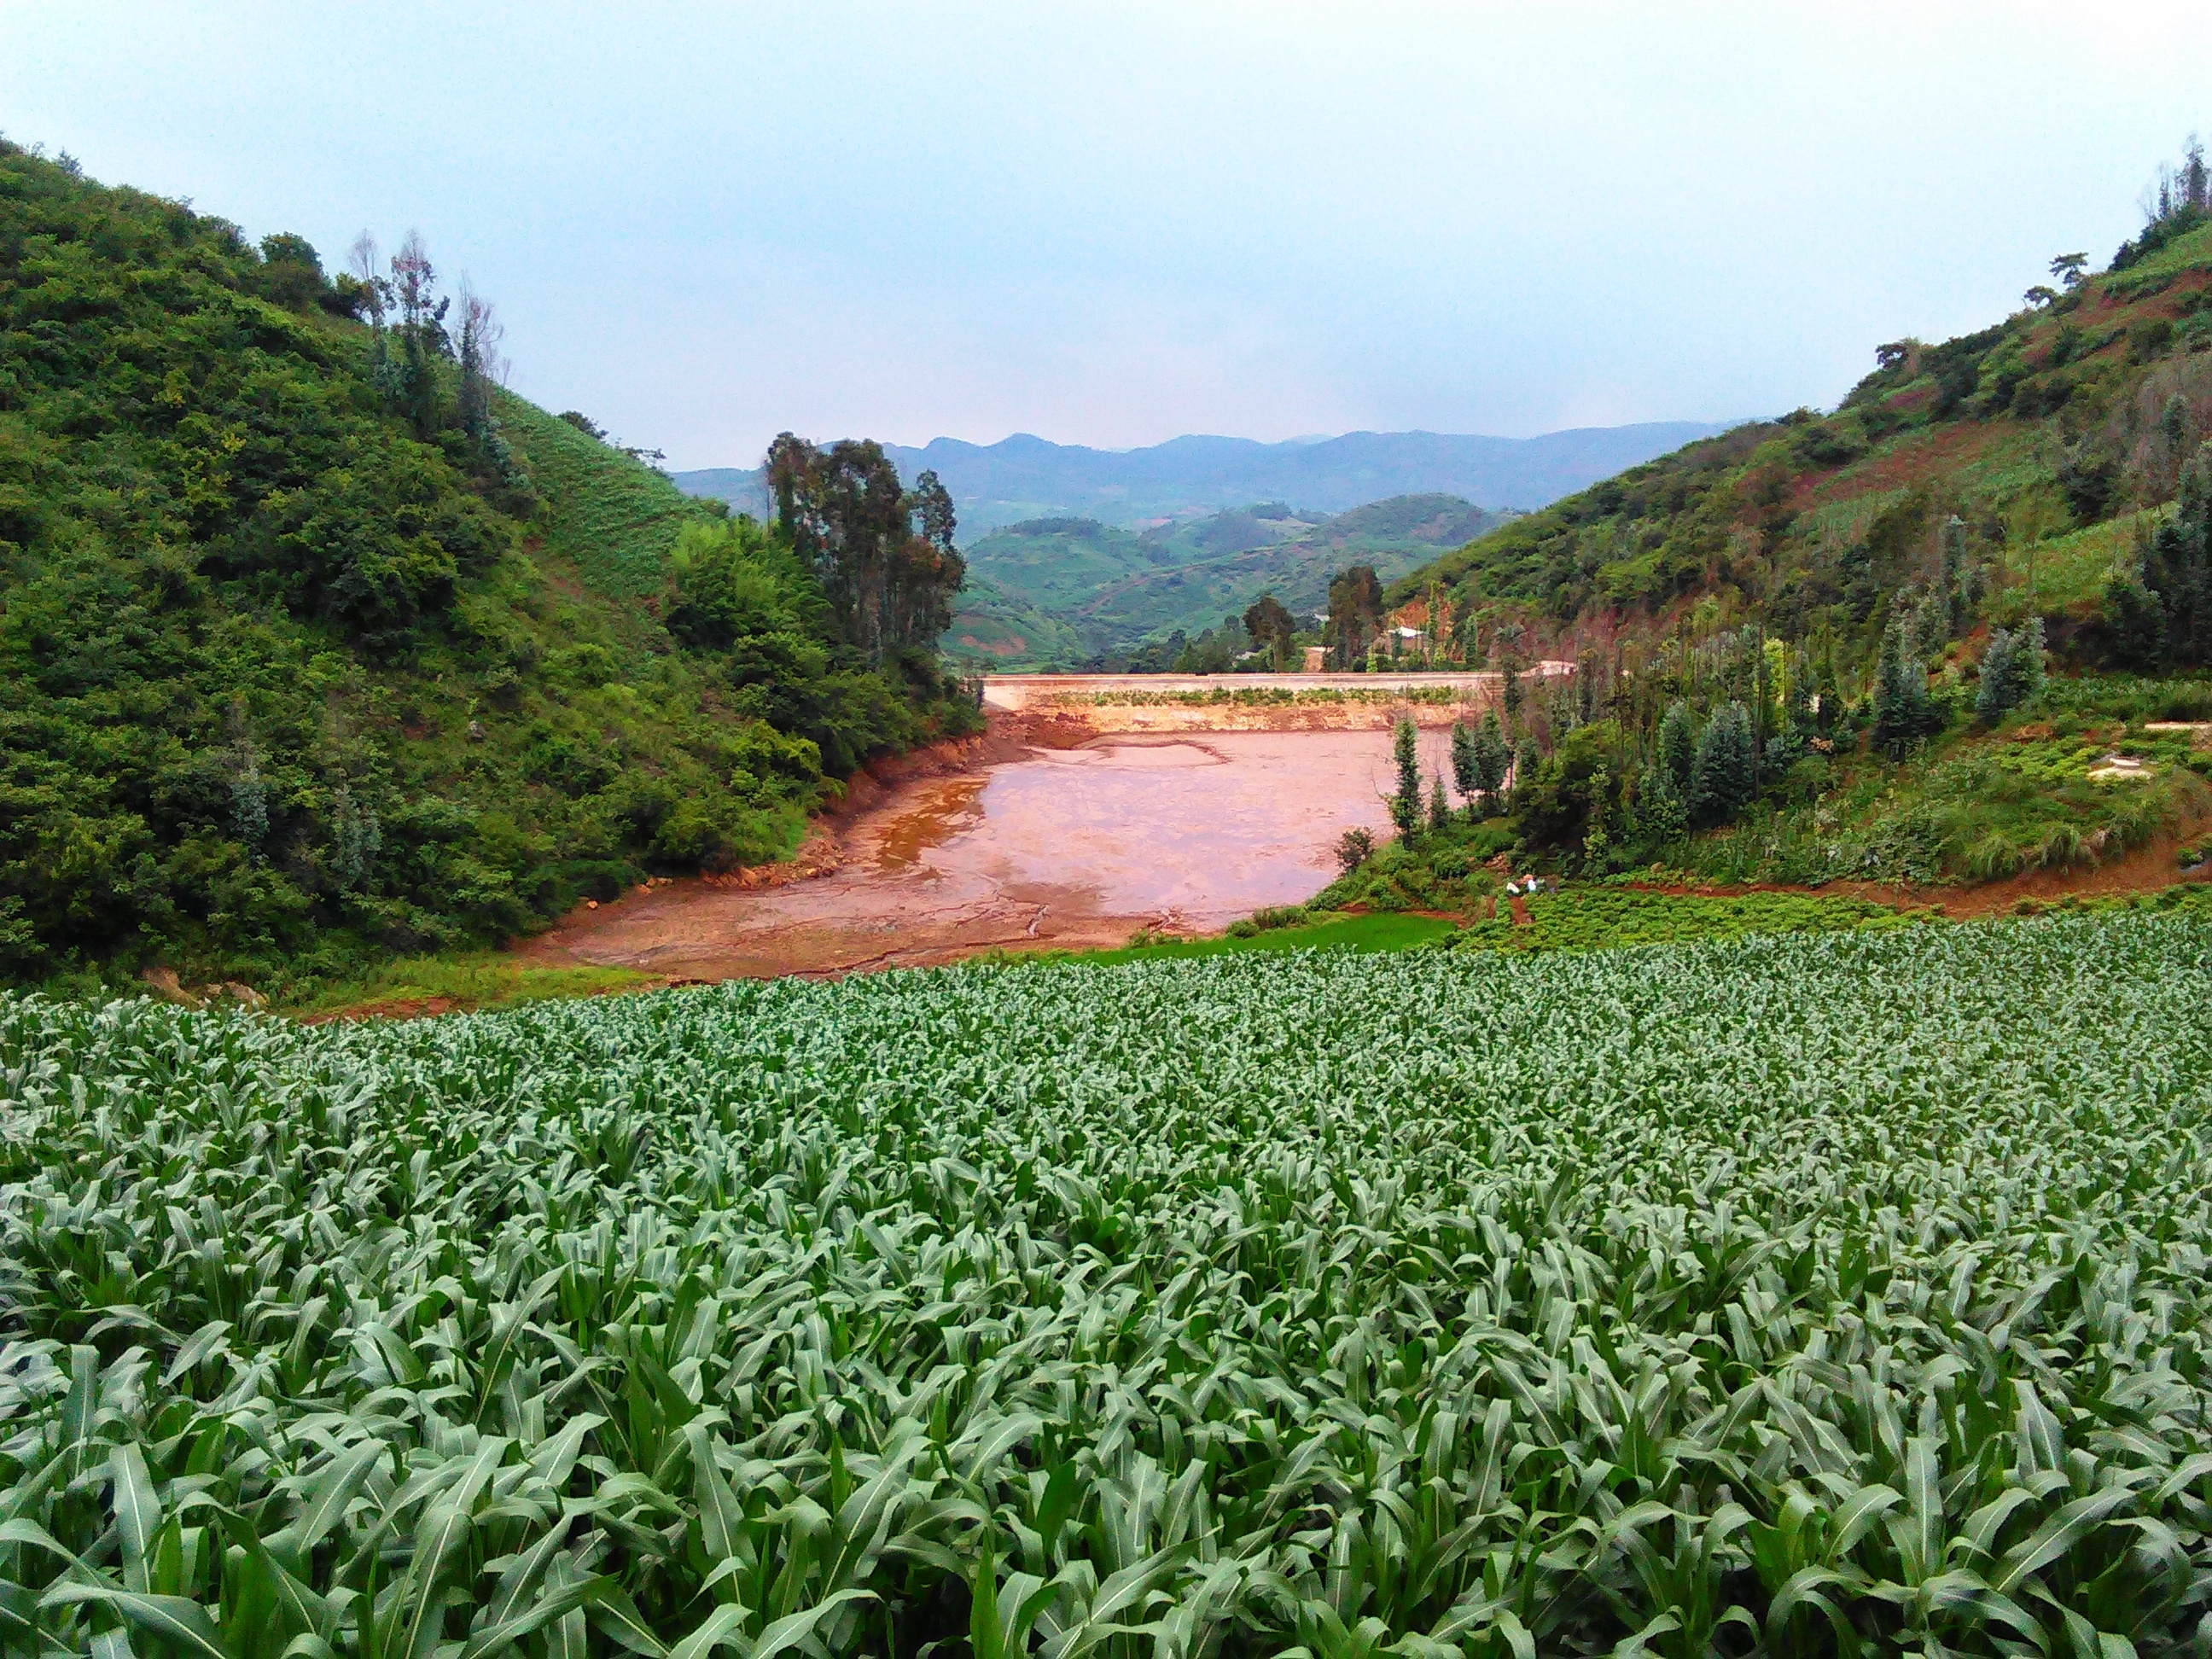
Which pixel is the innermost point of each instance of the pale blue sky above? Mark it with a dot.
(1111, 225)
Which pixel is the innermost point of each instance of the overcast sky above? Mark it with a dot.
(1115, 224)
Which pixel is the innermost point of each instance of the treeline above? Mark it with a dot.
(307, 656)
(1608, 768)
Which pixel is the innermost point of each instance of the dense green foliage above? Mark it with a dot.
(1792, 1295)
(316, 647)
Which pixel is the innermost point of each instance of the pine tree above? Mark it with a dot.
(1467, 770)
(1723, 777)
(1405, 804)
(1994, 695)
(2027, 673)
(1493, 758)
(2012, 671)
(1678, 748)
(1954, 566)
(1903, 711)
(1525, 759)
(2178, 567)
(1661, 814)
(1439, 808)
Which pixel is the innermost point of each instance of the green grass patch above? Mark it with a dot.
(614, 519)
(1442, 869)
(2069, 571)
(481, 979)
(1606, 917)
(1977, 808)
(1369, 934)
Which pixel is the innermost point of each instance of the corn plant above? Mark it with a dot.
(1823, 1294)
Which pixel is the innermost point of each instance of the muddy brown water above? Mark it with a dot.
(1069, 848)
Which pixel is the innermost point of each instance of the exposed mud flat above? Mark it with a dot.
(1043, 835)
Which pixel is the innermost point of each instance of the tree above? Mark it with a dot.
(1354, 847)
(1406, 802)
(1904, 713)
(2068, 267)
(2178, 567)
(420, 333)
(730, 584)
(1723, 773)
(1927, 626)
(1570, 800)
(1493, 759)
(1355, 613)
(2135, 621)
(483, 368)
(1953, 538)
(2011, 671)
(1678, 748)
(583, 423)
(1661, 813)
(292, 272)
(1270, 627)
(2040, 295)
(1525, 759)
(1509, 694)
(928, 569)
(1467, 771)
(889, 584)
(1439, 808)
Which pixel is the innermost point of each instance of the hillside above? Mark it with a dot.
(1022, 477)
(2057, 438)
(1060, 591)
(1954, 631)
(316, 647)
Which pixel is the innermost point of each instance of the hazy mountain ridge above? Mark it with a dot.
(1024, 477)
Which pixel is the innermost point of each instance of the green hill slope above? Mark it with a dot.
(1817, 648)
(2056, 437)
(1058, 590)
(315, 648)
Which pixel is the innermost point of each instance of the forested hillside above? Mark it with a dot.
(317, 646)
(2032, 461)
(1820, 645)
(1065, 591)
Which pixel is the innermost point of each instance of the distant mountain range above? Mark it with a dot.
(1022, 477)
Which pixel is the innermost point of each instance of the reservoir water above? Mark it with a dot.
(1074, 848)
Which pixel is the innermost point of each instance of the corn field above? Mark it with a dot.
(1829, 1294)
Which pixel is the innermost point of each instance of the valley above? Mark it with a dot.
(1066, 592)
